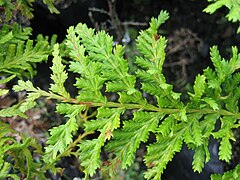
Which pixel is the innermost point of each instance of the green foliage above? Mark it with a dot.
(19, 54)
(107, 121)
(232, 5)
(59, 76)
(25, 7)
(12, 111)
(18, 57)
(19, 154)
(163, 126)
(127, 141)
(61, 137)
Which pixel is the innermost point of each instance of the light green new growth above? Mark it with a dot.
(101, 69)
(19, 54)
(232, 5)
(18, 58)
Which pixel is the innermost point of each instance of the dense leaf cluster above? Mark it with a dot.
(101, 69)
(20, 154)
(18, 57)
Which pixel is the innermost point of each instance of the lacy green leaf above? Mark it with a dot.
(60, 138)
(109, 94)
(166, 147)
(199, 86)
(126, 141)
(167, 125)
(226, 134)
(207, 125)
(212, 103)
(198, 159)
(107, 121)
(90, 155)
(12, 111)
(59, 74)
(18, 53)
(25, 7)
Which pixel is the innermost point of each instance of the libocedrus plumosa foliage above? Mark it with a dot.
(16, 156)
(101, 70)
(19, 56)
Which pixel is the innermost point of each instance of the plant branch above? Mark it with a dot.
(147, 107)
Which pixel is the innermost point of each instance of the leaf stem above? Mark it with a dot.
(73, 144)
(68, 149)
(147, 107)
(150, 107)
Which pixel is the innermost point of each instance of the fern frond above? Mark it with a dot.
(211, 102)
(19, 153)
(91, 82)
(234, 62)
(212, 81)
(150, 44)
(101, 70)
(50, 5)
(116, 73)
(90, 156)
(99, 45)
(222, 67)
(12, 111)
(61, 137)
(9, 7)
(3, 92)
(59, 75)
(207, 125)
(198, 87)
(19, 54)
(66, 108)
(197, 132)
(5, 38)
(24, 85)
(151, 47)
(109, 61)
(167, 126)
(226, 134)
(33, 94)
(127, 140)
(198, 159)
(107, 121)
(232, 100)
(5, 80)
(25, 7)
(163, 151)
(193, 134)
(4, 172)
